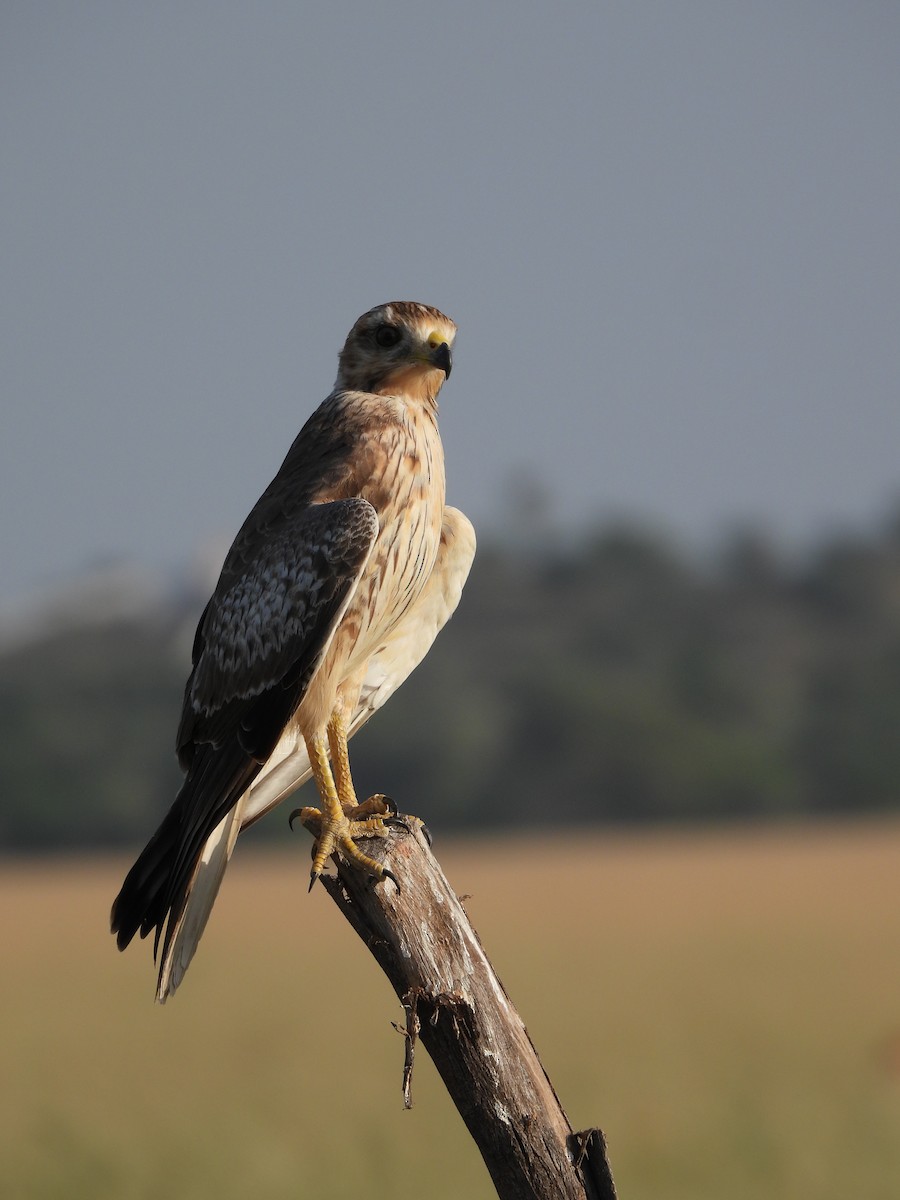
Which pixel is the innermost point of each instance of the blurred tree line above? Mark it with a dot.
(618, 679)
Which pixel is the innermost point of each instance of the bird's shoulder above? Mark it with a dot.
(339, 450)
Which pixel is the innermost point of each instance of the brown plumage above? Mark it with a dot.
(332, 563)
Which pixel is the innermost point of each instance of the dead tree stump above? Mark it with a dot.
(459, 1009)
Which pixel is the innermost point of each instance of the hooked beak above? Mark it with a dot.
(440, 357)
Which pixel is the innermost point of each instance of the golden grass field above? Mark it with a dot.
(726, 1006)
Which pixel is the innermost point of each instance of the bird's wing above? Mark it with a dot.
(288, 767)
(391, 664)
(260, 641)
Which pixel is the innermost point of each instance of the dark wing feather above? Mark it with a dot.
(269, 621)
(259, 643)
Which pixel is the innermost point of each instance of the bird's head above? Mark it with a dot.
(398, 349)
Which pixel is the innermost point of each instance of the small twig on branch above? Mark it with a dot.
(423, 941)
(411, 1033)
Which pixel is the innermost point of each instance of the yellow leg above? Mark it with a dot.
(338, 822)
(375, 806)
(340, 759)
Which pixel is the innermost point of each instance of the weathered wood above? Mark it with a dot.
(454, 1002)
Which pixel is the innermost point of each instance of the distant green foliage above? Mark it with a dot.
(618, 680)
(87, 736)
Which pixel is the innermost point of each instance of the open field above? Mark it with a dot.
(725, 1006)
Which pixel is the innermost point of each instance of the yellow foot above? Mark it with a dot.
(338, 834)
(378, 805)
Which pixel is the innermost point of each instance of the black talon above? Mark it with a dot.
(385, 874)
(293, 817)
(313, 876)
(403, 823)
(391, 806)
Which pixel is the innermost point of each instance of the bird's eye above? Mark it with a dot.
(387, 335)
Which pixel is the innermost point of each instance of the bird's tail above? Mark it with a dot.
(183, 935)
(278, 779)
(141, 904)
(194, 841)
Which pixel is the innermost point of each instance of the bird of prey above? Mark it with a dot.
(333, 591)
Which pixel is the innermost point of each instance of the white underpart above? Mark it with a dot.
(288, 766)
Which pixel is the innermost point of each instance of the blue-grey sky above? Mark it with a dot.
(669, 233)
